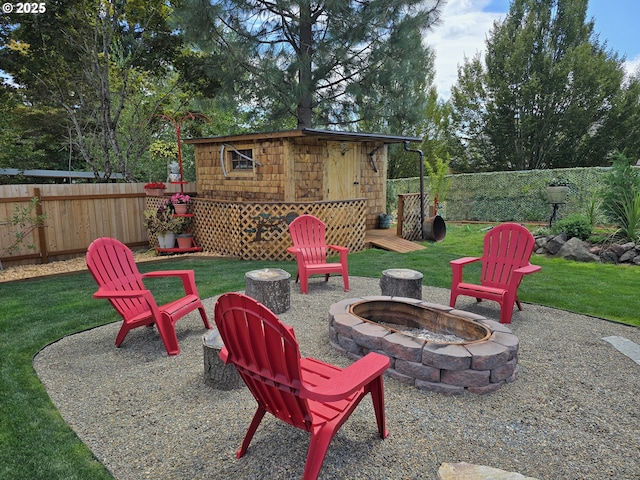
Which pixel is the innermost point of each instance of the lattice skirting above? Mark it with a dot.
(259, 231)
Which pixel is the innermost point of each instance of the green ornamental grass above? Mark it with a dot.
(35, 442)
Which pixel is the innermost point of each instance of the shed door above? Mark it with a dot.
(342, 177)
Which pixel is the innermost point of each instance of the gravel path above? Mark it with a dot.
(573, 412)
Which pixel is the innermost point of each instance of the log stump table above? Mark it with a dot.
(216, 374)
(401, 282)
(271, 287)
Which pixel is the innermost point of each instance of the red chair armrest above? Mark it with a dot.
(528, 269)
(457, 265)
(343, 251)
(463, 261)
(349, 380)
(187, 276)
(169, 273)
(120, 293)
(224, 356)
(338, 248)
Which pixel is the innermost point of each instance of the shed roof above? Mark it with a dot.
(309, 132)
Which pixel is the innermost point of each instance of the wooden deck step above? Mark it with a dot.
(387, 239)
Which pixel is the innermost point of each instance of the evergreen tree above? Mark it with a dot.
(545, 96)
(320, 63)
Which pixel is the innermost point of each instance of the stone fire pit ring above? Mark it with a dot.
(478, 366)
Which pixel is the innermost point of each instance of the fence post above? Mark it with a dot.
(42, 237)
(400, 215)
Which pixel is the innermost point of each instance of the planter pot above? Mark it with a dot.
(557, 194)
(434, 228)
(154, 192)
(180, 208)
(167, 240)
(185, 240)
(384, 220)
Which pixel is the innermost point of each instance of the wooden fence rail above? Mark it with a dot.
(75, 215)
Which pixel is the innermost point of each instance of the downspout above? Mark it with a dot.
(421, 154)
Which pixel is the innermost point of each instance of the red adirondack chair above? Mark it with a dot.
(303, 392)
(310, 248)
(112, 265)
(505, 260)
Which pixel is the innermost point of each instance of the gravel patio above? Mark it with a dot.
(572, 413)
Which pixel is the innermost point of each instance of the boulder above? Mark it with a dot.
(628, 256)
(541, 242)
(608, 256)
(628, 246)
(554, 245)
(618, 249)
(574, 249)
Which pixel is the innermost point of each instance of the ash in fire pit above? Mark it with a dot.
(420, 321)
(460, 351)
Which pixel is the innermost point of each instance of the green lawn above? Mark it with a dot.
(36, 443)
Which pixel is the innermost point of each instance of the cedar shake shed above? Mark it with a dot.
(263, 180)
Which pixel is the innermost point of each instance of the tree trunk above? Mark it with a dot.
(305, 95)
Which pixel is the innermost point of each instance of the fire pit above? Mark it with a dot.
(431, 346)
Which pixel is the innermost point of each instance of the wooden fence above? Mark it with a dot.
(78, 214)
(75, 215)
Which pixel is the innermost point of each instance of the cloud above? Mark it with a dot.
(632, 66)
(462, 32)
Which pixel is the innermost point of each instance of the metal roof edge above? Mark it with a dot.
(308, 132)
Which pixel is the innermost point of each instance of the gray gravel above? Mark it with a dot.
(573, 412)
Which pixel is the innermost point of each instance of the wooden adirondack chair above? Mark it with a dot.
(310, 248)
(112, 265)
(505, 260)
(303, 392)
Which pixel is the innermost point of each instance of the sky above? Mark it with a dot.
(465, 25)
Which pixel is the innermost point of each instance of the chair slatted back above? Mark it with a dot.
(112, 265)
(309, 234)
(266, 355)
(506, 247)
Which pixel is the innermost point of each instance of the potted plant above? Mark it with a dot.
(384, 220)
(184, 236)
(557, 190)
(163, 224)
(180, 202)
(155, 188)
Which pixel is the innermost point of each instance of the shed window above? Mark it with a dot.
(240, 159)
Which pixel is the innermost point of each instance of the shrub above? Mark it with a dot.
(26, 220)
(574, 226)
(621, 183)
(628, 213)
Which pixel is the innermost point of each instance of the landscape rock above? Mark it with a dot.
(578, 250)
(574, 249)
(468, 471)
(628, 256)
(554, 245)
(608, 256)
(617, 249)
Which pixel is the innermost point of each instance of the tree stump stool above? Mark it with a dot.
(401, 282)
(216, 373)
(271, 287)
